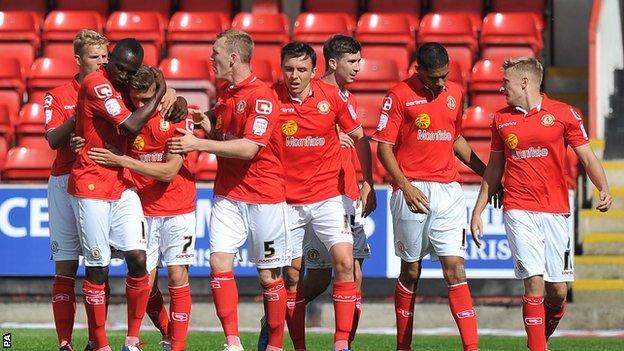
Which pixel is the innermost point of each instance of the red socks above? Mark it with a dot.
(180, 315)
(225, 296)
(64, 307)
(95, 306)
(356, 316)
(553, 316)
(157, 312)
(464, 314)
(404, 311)
(137, 295)
(275, 304)
(344, 296)
(534, 315)
(295, 318)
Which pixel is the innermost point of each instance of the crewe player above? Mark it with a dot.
(310, 111)
(166, 188)
(90, 52)
(529, 141)
(419, 137)
(249, 189)
(107, 212)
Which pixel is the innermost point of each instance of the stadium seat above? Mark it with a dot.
(269, 32)
(222, 6)
(411, 7)
(509, 34)
(19, 36)
(264, 70)
(455, 32)
(47, 73)
(455, 75)
(386, 28)
(99, 6)
(471, 8)
(12, 85)
(316, 28)
(32, 141)
(535, 7)
(349, 7)
(476, 123)
(7, 130)
(192, 34)
(38, 6)
(485, 84)
(192, 79)
(266, 6)
(206, 167)
(482, 149)
(4, 148)
(28, 164)
(161, 6)
(376, 75)
(60, 28)
(31, 120)
(398, 54)
(147, 27)
(368, 112)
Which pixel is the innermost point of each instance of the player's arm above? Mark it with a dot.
(204, 120)
(236, 148)
(464, 152)
(367, 192)
(57, 130)
(133, 124)
(489, 185)
(596, 174)
(61, 135)
(161, 171)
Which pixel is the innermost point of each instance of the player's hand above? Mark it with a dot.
(160, 79)
(200, 118)
(178, 111)
(105, 157)
(476, 228)
(167, 101)
(416, 200)
(497, 198)
(345, 140)
(183, 144)
(605, 201)
(368, 199)
(76, 143)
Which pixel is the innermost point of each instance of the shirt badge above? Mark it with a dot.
(323, 107)
(548, 120)
(164, 125)
(450, 102)
(511, 141)
(240, 106)
(423, 121)
(139, 143)
(289, 128)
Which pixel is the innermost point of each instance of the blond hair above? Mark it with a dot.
(88, 37)
(239, 42)
(527, 65)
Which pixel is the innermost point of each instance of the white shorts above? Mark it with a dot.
(105, 224)
(170, 240)
(442, 232)
(265, 225)
(315, 253)
(64, 240)
(540, 245)
(327, 219)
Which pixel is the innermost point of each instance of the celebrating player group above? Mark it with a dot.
(287, 184)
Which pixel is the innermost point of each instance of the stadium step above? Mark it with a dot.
(599, 267)
(615, 172)
(603, 244)
(594, 221)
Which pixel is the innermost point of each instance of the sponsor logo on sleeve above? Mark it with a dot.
(383, 121)
(260, 125)
(47, 102)
(112, 107)
(387, 103)
(48, 116)
(103, 91)
(450, 102)
(264, 107)
(352, 111)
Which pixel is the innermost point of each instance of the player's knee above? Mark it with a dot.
(291, 277)
(136, 261)
(96, 275)
(410, 273)
(66, 268)
(556, 294)
(343, 266)
(268, 276)
(454, 275)
(178, 275)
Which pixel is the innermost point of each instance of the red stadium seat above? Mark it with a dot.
(510, 34)
(147, 27)
(206, 167)
(376, 75)
(7, 130)
(535, 7)
(19, 36)
(350, 7)
(12, 85)
(161, 6)
(222, 6)
(99, 6)
(266, 6)
(472, 8)
(263, 27)
(398, 54)
(38, 6)
(476, 122)
(4, 148)
(192, 79)
(482, 149)
(264, 70)
(386, 28)
(485, 84)
(60, 28)
(192, 34)
(31, 120)
(411, 7)
(368, 112)
(316, 28)
(47, 73)
(28, 164)
(455, 75)
(33, 141)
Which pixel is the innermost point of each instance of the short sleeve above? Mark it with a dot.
(390, 119)
(106, 101)
(497, 141)
(262, 115)
(346, 116)
(575, 134)
(54, 113)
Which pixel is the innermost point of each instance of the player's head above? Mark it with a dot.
(124, 61)
(523, 76)
(232, 49)
(90, 51)
(342, 58)
(433, 66)
(142, 86)
(298, 66)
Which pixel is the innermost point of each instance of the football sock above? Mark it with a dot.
(157, 311)
(356, 316)
(533, 314)
(404, 311)
(95, 306)
(225, 296)
(344, 296)
(464, 314)
(180, 307)
(137, 295)
(553, 316)
(275, 303)
(295, 318)
(64, 307)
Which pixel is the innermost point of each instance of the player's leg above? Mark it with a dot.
(65, 246)
(404, 297)
(357, 274)
(227, 234)
(361, 250)
(318, 264)
(527, 247)
(316, 282)
(155, 310)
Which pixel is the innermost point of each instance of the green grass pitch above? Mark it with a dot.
(45, 340)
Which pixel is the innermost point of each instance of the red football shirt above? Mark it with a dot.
(161, 198)
(58, 106)
(535, 153)
(100, 111)
(249, 110)
(310, 147)
(422, 127)
(348, 176)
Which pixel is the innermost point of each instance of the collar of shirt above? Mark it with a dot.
(419, 85)
(242, 83)
(296, 99)
(543, 105)
(75, 83)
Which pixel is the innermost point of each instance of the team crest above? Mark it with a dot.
(313, 255)
(240, 106)
(511, 141)
(95, 253)
(164, 125)
(139, 143)
(548, 120)
(450, 102)
(323, 107)
(54, 246)
(423, 121)
(289, 128)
